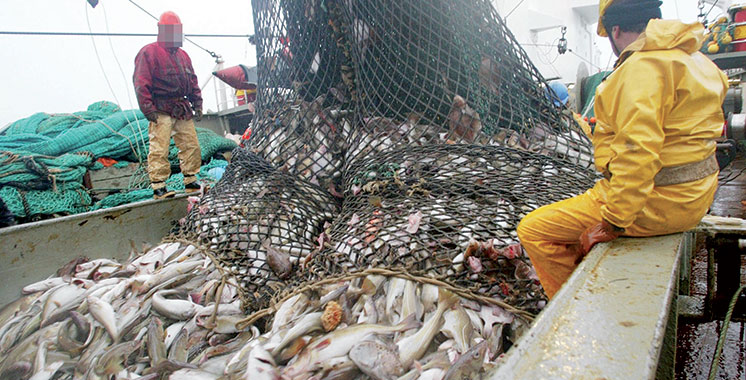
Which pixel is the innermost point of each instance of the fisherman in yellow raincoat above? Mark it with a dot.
(658, 115)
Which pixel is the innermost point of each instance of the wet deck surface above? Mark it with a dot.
(697, 340)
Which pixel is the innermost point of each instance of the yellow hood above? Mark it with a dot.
(668, 34)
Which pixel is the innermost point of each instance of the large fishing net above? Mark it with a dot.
(424, 121)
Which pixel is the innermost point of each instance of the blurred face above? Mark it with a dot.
(170, 36)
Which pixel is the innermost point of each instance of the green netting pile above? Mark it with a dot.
(44, 157)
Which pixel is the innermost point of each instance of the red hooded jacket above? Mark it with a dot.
(165, 82)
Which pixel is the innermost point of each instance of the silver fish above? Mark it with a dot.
(64, 297)
(332, 295)
(20, 305)
(458, 326)
(288, 310)
(338, 343)
(48, 370)
(171, 332)
(261, 365)
(371, 284)
(376, 360)
(307, 323)
(192, 374)
(168, 272)
(493, 314)
(394, 290)
(414, 346)
(178, 309)
(112, 360)
(178, 350)
(238, 359)
(432, 374)
(74, 334)
(338, 369)
(410, 302)
(103, 312)
(156, 342)
(438, 360)
(469, 364)
(43, 285)
(429, 297)
(224, 324)
(369, 314)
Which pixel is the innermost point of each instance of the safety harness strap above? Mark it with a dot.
(674, 175)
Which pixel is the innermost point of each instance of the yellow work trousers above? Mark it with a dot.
(185, 138)
(550, 233)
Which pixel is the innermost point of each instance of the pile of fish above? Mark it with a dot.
(162, 311)
(255, 215)
(306, 139)
(383, 328)
(316, 142)
(168, 313)
(449, 214)
(377, 135)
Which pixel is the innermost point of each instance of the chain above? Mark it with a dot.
(701, 15)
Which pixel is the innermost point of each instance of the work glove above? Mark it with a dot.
(152, 116)
(599, 233)
(198, 114)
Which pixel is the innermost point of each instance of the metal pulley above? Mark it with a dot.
(562, 44)
(735, 128)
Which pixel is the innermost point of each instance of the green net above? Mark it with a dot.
(45, 157)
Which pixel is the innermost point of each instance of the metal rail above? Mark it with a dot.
(609, 321)
(33, 251)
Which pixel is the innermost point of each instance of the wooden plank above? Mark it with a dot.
(608, 321)
(112, 177)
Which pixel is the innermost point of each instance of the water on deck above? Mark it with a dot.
(697, 339)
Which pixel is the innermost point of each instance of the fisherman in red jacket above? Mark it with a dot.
(167, 93)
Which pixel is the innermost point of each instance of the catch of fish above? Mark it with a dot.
(169, 313)
(260, 223)
(316, 139)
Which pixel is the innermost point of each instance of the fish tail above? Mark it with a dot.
(446, 298)
(408, 323)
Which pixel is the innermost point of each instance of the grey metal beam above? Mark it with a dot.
(34, 251)
(608, 321)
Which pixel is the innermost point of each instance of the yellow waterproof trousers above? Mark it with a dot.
(549, 233)
(185, 137)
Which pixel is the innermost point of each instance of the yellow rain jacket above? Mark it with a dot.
(661, 107)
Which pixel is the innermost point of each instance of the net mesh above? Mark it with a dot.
(425, 119)
(256, 214)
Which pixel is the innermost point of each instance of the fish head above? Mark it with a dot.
(475, 356)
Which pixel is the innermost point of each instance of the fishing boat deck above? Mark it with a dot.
(697, 336)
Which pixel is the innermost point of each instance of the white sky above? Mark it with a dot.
(62, 74)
